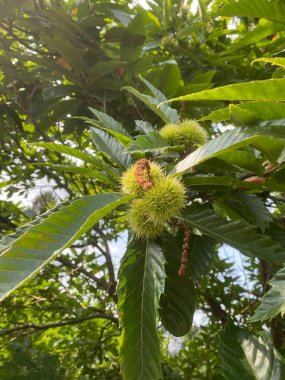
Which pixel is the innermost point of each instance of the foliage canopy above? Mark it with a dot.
(86, 88)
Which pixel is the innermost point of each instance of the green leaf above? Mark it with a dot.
(7, 240)
(68, 52)
(240, 116)
(271, 10)
(165, 112)
(262, 30)
(73, 152)
(248, 356)
(281, 158)
(110, 123)
(248, 206)
(9, 8)
(121, 137)
(152, 142)
(263, 90)
(171, 113)
(261, 110)
(201, 252)
(141, 283)
(149, 101)
(276, 180)
(166, 13)
(100, 69)
(177, 303)
(187, 30)
(64, 149)
(237, 233)
(192, 88)
(277, 233)
(124, 17)
(58, 91)
(87, 172)
(274, 128)
(255, 210)
(273, 302)
(202, 10)
(111, 146)
(234, 139)
(220, 114)
(219, 183)
(171, 79)
(133, 38)
(279, 61)
(205, 78)
(144, 127)
(26, 255)
(244, 160)
(265, 110)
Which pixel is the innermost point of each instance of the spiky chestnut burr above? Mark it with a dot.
(169, 42)
(165, 199)
(139, 222)
(161, 198)
(184, 11)
(188, 133)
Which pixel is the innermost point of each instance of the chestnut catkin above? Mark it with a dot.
(142, 174)
(130, 182)
(185, 252)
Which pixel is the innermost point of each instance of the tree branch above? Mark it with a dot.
(215, 307)
(108, 258)
(100, 281)
(73, 321)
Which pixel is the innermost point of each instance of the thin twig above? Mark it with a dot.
(73, 321)
(99, 281)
